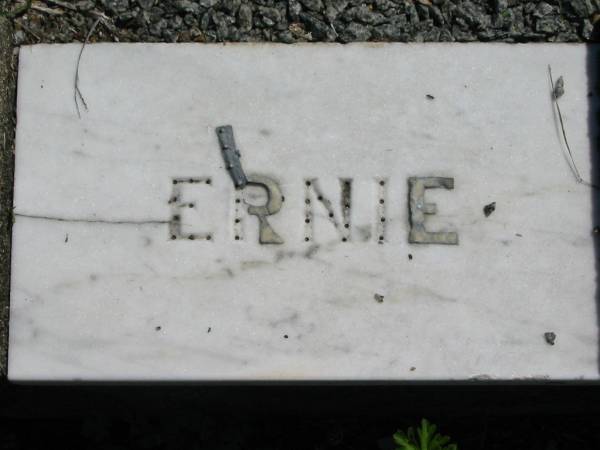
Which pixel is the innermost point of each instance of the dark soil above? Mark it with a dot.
(291, 417)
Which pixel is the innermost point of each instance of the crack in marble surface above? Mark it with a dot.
(102, 221)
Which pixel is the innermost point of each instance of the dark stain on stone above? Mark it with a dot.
(265, 132)
(311, 251)
(291, 319)
(253, 264)
(281, 255)
(489, 209)
(430, 97)
(550, 337)
(158, 328)
(364, 232)
(66, 238)
(378, 298)
(93, 277)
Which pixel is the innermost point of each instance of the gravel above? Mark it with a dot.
(305, 20)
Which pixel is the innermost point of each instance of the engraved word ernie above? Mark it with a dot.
(418, 207)
(315, 200)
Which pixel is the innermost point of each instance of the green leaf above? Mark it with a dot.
(404, 440)
(425, 438)
(426, 433)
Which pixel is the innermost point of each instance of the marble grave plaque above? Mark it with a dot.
(348, 242)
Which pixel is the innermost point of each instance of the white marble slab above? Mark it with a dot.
(101, 292)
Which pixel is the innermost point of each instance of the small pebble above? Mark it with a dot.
(550, 337)
(19, 37)
(489, 209)
(378, 298)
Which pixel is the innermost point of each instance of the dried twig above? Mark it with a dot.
(69, 6)
(100, 15)
(557, 92)
(110, 27)
(77, 92)
(64, 5)
(49, 11)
